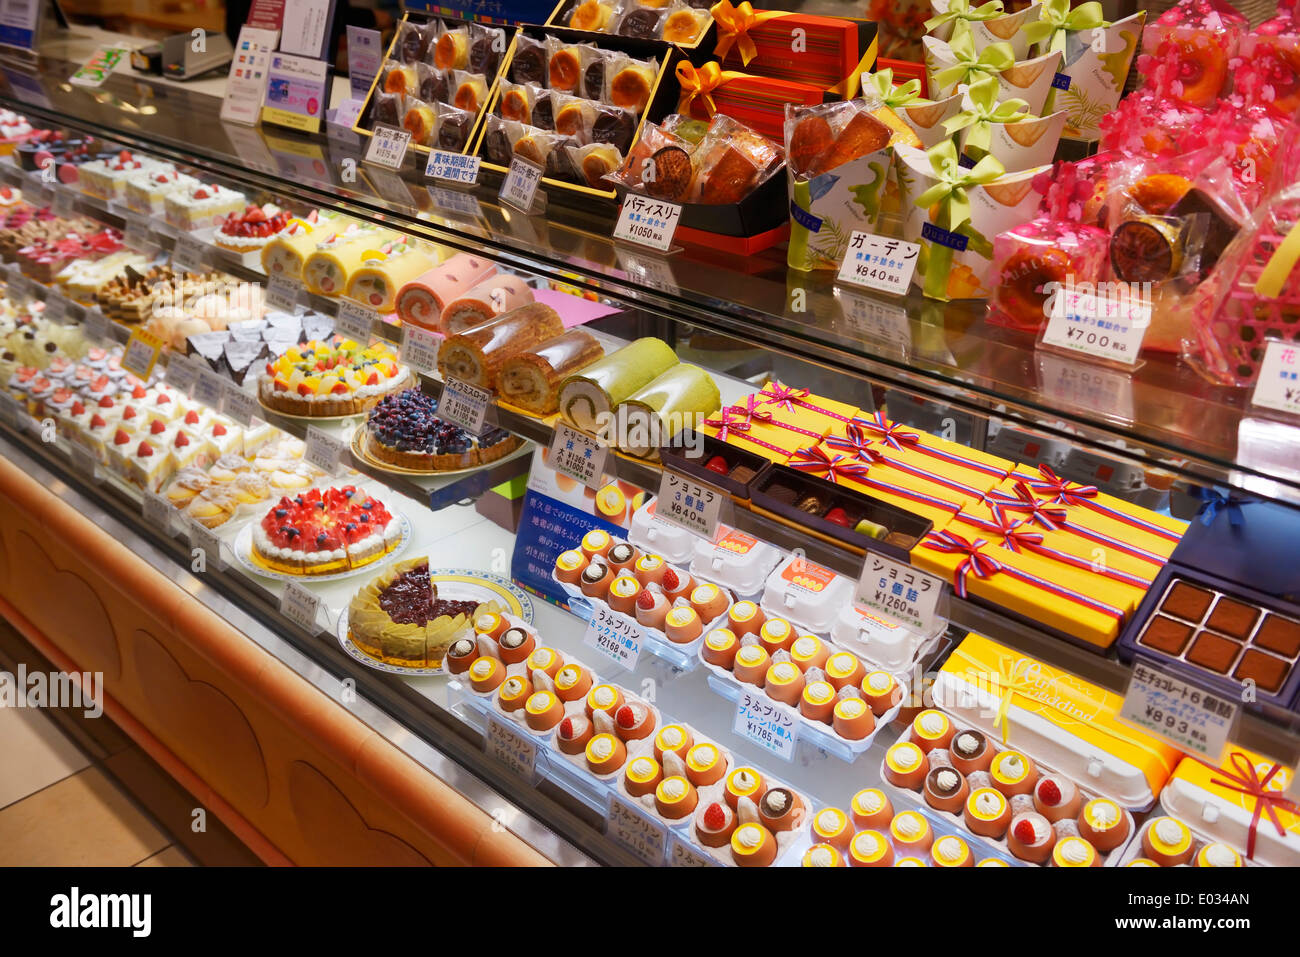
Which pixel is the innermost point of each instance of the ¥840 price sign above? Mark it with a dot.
(878, 262)
(900, 592)
(689, 505)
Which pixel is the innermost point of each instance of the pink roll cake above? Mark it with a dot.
(490, 298)
(422, 300)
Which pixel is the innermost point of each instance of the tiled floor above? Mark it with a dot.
(77, 791)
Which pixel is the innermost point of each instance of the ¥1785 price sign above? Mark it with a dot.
(578, 455)
(689, 504)
(878, 262)
(1189, 717)
(771, 728)
(900, 592)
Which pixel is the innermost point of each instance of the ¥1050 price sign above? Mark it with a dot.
(464, 405)
(578, 455)
(1189, 717)
(878, 262)
(689, 504)
(773, 729)
(649, 222)
(900, 593)
(615, 636)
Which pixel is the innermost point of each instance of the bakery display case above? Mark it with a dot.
(696, 557)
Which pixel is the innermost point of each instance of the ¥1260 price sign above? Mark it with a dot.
(900, 593)
(464, 405)
(773, 729)
(645, 838)
(1189, 717)
(878, 262)
(578, 455)
(648, 222)
(615, 636)
(689, 504)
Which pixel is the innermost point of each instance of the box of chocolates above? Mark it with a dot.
(712, 459)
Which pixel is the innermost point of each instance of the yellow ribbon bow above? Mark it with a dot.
(960, 13)
(897, 97)
(949, 193)
(1056, 19)
(984, 111)
(970, 65)
(700, 84)
(734, 24)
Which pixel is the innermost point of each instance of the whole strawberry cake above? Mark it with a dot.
(336, 377)
(252, 229)
(324, 531)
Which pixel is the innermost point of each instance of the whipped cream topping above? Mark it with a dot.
(967, 744)
(776, 800)
(567, 676)
(542, 658)
(604, 696)
(908, 825)
(671, 737)
(821, 857)
(907, 756)
(642, 767)
(869, 802)
(601, 748)
(784, 671)
(1220, 855)
(828, 821)
(949, 849)
(1103, 814)
(1168, 831)
(819, 692)
(947, 780)
(910, 862)
(841, 664)
(743, 610)
(702, 755)
(932, 723)
(1038, 826)
(744, 781)
(719, 638)
(1011, 766)
(538, 701)
(805, 646)
(482, 668)
(850, 707)
(750, 655)
(1074, 850)
(749, 836)
(879, 681)
(866, 844)
(779, 628)
(988, 803)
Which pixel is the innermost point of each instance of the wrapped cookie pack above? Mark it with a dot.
(671, 20)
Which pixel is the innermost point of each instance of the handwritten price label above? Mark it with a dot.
(506, 743)
(683, 854)
(1189, 717)
(771, 728)
(648, 222)
(210, 389)
(520, 186)
(157, 512)
(645, 838)
(900, 593)
(300, 606)
(689, 504)
(464, 405)
(578, 455)
(181, 374)
(614, 636)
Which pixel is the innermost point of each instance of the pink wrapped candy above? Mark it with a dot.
(1029, 257)
(1187, 49)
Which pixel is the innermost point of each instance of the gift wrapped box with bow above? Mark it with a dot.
(777, 421)
(757, 101)
(986, 23)
(952, 67)
(1005, 129)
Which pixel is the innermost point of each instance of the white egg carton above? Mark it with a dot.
(1133, 849)
(812, 610)
(652, 534)
(870, 636)
(722, 563)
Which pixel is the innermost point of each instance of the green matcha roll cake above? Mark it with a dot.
(588, 398)
(678, 399)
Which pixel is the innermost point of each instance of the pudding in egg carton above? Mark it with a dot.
(737, 561)
(1165, 841)
(1003, 797)
(509, 645)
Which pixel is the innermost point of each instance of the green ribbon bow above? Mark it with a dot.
(995, 58)
(1056, 19)
(897, 97)
(984, 111)
(949, 193)
(960, 13)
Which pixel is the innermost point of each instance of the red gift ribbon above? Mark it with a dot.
(814, 459)
(753, 413)
(732, 427)
(1247, 781)
(855, 441)
(1052, 486)
(1016, 537)
(895, 436)
(787, 398)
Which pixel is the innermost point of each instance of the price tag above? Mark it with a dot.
(388, 147)
(190, 254)
(419, 349)
(464, 405)
(137, 233)
(209, 389)
(690, 505)
(323, 450)
(452, 167)
(768, 726)
(1070, 383)
(520, 186)
(181, 374)
(645, 838)
(300, 606)
(157, 512)
(653, 271)
(205, 538)
(616, 637)
(1184, 714)
(282, 293)
(63, 203)
(578, 455)
(508, 744)
(683, 854)
(355, 321)
(1110, 328)
(239, 405)
(10, 410)
(649, 222)
(85, 461)
(900, 593)
(460, 203)
(875, 318)
(878, 262)
(96, 325)
(1278, 385)
(142, 351)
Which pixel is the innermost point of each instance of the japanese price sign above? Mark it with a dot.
(239, 405)
(464, 405)
(578, 455)
(615, 636)
(85, 461)
(900, 593)
(683, 854)
(506, 743)
(210, 389)
(1278, 385)
(520, 185)
(1110, 328)
(56, 307)
(388, 147)
(689, 504)
(653, 271)
(878, 262)
(157, 512)
(650, 222)
(282, 293)
(300, 606)
(1187, 716)
(419, 349)
(142, 351)
(1069, 383)
(452, 167)
(645, 838)
(770, 727)
(190, 254)
(323, 450)
(20, 287)
(355, 321)
(206, 539)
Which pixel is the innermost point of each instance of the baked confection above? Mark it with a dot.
(338, 377)
(322, 532)
(531, 380)
(489, 298)
(403, 430)
(399, 618)
(477, 355)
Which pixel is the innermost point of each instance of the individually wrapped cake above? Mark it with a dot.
(454, 127)
(451, 50)
(499, 140)
(387, 109)
(679, 398)
(565, 64)
(531, 380)
(413, 41)
(1186, 51)
(593, 76)
(823, 137)
(493, 296)
(543, 112)
(594, 16)
(640, 22)
(574, 116)
(731, 162)
(589, 397)
(685, 127)
(614, 126)
(398, 77)
(659, 165)
(469, 91)
(528, 65)
(434, 84)
(629, 82)
(476, 355)
(516, 101)
(684, 24)
(1035, 259)
(595, 161)
(487, 46)
(420, 119)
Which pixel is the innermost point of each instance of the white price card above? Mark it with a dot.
(648, 222)
(772, 728)
(323, 450)
(645, 838)
(900, 592)
(878, 262)
(141, 353)
(419, 349)
(1191, 718)
(63, 203)
(300, 606)
(136, 232)
(206, 539)
(615, 636)
(1278, 385)
(210, 389)
(460, 203)
(509, 744)
(452, 167)
(10, 410)
(689, 504)
(682, 853)
(181, 374)
(520, 185)
(653, 271)
(157, 512)
(282, 293)
(96, 325)
(1109, 328)
(85, 461)
(388, 147)
(190, 254)
(578, 455)
(1070, 383)
(355, 321)
(239, 405)
(464, 405)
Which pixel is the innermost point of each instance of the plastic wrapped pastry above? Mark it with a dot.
(477, 355)
(421, 121)
(615, 126)
(731, 162)
(588, 397)
(593, 77)
(413, 41)
(498, 140)
(677, 399)
(400, 78)
(451, 52)
(592, 16)
(566, 63)
(543, 112)
(685, 24)
(640, 22)
(595, 161)
(516, 102)
(387, 109)
(422, 300)
(528, 65)
(454, 127)
(658, 165)
(531, 380)
(487, 45)
(829, 135)
(536, 146)
(385, 270)
(286, 252)
(685, 127)
(495, 295)
(329, 268)
(433, 83)
(470, 91)
(574, 116)
(628, 82)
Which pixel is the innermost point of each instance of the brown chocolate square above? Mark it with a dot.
(1279, 634)
(1267, 671)
(1187, 601)
(1166, 634)
(1233, 618)
(1213, 652)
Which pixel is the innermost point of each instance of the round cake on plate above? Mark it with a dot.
(337, 377)
(325, 531)
(404, 431)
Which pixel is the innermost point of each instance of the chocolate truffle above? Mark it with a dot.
(1233, 618)
(529, 64)
(1187, 602)
(673, 172)
(543, 113)
(1213, 652)
(614, 126)
(643, 23)
(1279, 634)
(1165, 634)
(1267, 672)
(453, 131)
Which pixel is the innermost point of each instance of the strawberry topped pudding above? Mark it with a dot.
(252, 229)
(320, 532)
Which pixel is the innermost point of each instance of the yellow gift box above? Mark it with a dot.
(1056, 716)
(800, 408)
(777, 421)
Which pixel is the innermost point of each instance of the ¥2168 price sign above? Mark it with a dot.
(615, 636)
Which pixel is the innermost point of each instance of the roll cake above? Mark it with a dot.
(286, 253)
(588, 398)
(476, 355)
(385, 270)
(491, 297)
(672, 401)
(422, 300)
(531, 380)
(331, 265)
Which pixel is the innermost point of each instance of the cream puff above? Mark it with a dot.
(649, 570)
(946, 789)
(1057, 798)
(676, 798)
(545, 659)
(745, 618)
(752, 845)
(490, 624)
(881, 691)
(569, 566)
(634, 721)
(987, 812)
(832, 826)
(682, 625)
(744, 783)
(572, 682)
(949, 851)
(514, 691)
(784, 682)
(714, 824)
(605, 698)
(1075, 852)
(652, 608)
(676, 584)
(460, 656)
(1167, 841)
(1217, 854)
(574, 733)
(911, 833)
(970, 751)
(777, 634)
(844, 668)
(870, 848)
(1030, 837)
(1013, 773)
(906, 766)
(705, 765)
(931, 729)
(673, 739)
(642, 776)
(486, 674)
(871, 809)
(605, 754)
(543, 710)
(720, 647)
(623, 593)
(780, 809)
(516, 645)
(1103, 824)
(822, 855)
(817, 701)
(851, 719)
(709, 601)
(596, 543)
(595, 580)
(621, 558)
(751, 665)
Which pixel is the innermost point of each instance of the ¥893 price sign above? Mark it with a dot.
(689, 504)
(1189, 717)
